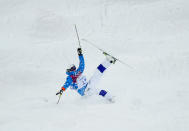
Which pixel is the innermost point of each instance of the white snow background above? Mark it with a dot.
(38, 42)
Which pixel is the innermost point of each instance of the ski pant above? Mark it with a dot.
(94, 80)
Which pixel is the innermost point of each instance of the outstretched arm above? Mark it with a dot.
(67, 83)
(81, 61)
(65, 86)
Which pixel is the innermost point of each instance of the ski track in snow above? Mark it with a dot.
(37, 42)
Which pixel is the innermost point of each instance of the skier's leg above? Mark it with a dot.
(99, 73)
(91, 87)
(107, 96)
(100, 70)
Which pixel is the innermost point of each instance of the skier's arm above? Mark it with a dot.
(65, 86)
(81, 61)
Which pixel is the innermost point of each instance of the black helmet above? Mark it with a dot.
(71, 68)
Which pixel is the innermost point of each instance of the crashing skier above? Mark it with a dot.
(77, 81)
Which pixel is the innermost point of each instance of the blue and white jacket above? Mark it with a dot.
(72, 78)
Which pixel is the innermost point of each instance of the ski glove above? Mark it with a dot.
(60, 92)
(79, 51)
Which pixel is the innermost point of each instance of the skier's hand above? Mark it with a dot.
(79, 51)
(60, 92)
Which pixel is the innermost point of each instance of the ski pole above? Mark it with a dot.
(59, 98)
(77, 36)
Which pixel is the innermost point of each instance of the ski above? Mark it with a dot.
(105, 53)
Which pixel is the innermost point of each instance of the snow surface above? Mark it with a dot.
(38, 41)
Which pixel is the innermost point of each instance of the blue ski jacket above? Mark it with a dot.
(71, 80)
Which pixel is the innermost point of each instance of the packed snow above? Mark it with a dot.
(38, 42)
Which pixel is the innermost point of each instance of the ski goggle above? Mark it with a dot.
(71, 69)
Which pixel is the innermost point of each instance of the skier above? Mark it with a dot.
(77, 81)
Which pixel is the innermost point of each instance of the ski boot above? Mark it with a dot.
(110, 58)
(109, 98)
